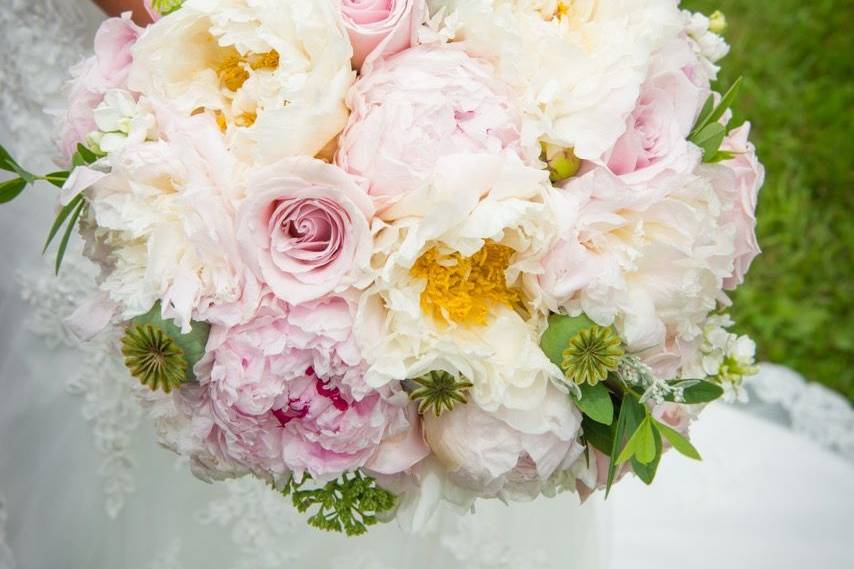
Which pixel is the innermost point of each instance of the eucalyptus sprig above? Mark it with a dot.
(349, 504)
(708, 133)
(68, 216)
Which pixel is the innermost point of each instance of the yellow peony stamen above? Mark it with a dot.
(231, 71)
(269, 60)
(462, 289)
(220, 120)
(246, 119)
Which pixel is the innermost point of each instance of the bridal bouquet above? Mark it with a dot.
(383, 253)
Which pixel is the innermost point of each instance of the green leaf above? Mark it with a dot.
(641, 444)
(595, 402)
(709, 139)
(6, 161)
(599, 436)
(192, 343)
(11, 189)
(677, 441)
(726, 101)
(722, 156)
(646, 472)
(58, 179)
(616, 444)
(87, 155)
(60, 220)
(561, 329)
(703, 118)
(711, 114)
(696, 391)
(63, 245)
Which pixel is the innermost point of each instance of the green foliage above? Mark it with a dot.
(69, 214)
(796, 60)
(349, 504)
(165, 7)
(595, 402)
(560, 331)
(709, 133)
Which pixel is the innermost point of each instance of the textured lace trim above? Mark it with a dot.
(41, 40)
(102, 382)
(169, 558)
(262, 523)
(6, 559)
(477, 544)
(810, 409)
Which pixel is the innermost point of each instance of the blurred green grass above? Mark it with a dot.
(797, 59)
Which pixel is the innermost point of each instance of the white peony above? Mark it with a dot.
(576, 64)
(650, 262)
(163, 222)
(273, 74)
(708, 45)
(474, 202)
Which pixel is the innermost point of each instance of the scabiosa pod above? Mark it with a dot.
(158, 354)
(440, 391)
(592, 354)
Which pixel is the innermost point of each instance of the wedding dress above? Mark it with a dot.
(83, 484)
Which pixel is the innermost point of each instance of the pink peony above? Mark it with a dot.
(749, 177)
(497, 454)
(92, 78)
(304, 228)
(284, 392)
(656, 134)
(381, 27)
(420, 105)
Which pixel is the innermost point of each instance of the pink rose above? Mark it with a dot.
(656, 134)
(92, 78)
(381, 27)
(304, 228)
(498, 454)
(417, 106)
(749, 177)
(285, 393)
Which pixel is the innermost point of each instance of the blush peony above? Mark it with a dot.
(499, 454)
(108, 69)
(304, 228)
(284, 393)
(418, 106)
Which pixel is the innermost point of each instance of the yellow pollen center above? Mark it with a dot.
(462, 289)
(233, 72)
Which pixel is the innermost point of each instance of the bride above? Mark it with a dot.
(83, 485)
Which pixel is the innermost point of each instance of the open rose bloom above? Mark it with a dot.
(359, 245)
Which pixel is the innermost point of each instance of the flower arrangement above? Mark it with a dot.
(380, 253)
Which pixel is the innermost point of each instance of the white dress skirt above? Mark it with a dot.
(83, 484)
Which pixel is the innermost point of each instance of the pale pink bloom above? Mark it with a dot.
(417, 106)
(379, 28)
(749, 177)
(284, 393)
(498, 454)
(304, 228)
(596, 476)
(655, 140)
(92, 78)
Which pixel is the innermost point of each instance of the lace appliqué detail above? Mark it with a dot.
(169, 558)
(102, 381)
(477, 544)
(262, 523)
(41, 40)
(811, 409)
(6, 559)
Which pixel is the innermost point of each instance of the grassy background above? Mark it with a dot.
(797, 59)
